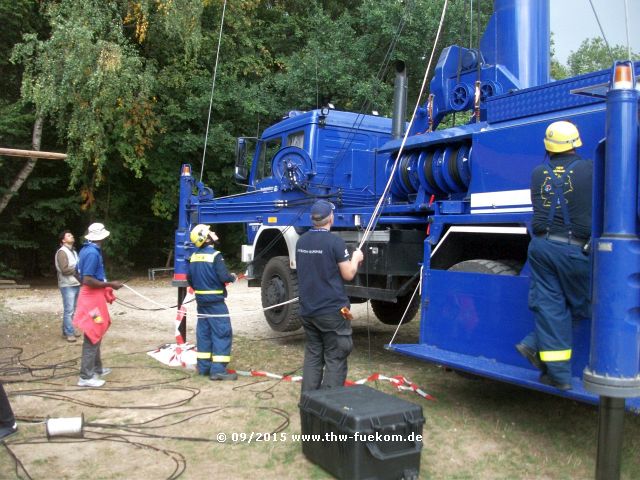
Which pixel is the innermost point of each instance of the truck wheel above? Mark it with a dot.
(279, 284)
(390, 313)
(493, 267)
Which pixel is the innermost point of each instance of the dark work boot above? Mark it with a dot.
(531, 355)
(223, 376)
(547, 380)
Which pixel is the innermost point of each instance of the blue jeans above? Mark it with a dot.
(69, 299)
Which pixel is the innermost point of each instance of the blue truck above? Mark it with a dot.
(455, 221)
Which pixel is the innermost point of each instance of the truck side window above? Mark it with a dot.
(295, 140)
(268, 151)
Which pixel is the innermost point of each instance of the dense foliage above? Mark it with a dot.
(124, 87)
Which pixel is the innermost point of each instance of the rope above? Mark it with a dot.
(418, 288)
(602, 30)
(376, 211)
(165, 307)
(382, 71)
(213, 86)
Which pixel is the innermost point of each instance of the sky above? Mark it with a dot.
(573, 20)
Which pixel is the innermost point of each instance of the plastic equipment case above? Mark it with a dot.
(360, 433)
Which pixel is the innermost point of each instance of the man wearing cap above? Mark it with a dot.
(323, 264)
(92, 314)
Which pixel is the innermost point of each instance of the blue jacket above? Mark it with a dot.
(207, 275)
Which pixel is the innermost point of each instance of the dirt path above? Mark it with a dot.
(244, 304)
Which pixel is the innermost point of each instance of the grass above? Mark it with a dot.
(475, 429)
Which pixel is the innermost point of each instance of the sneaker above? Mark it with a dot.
(77, 333)
(531, 355)
(8, 431)
(105, 371)
(223, 376)
(547, 380)
(71, 338)
(90, 382)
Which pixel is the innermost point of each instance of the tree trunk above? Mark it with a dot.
(28, 167)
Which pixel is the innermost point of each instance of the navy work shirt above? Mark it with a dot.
(207, 275)
(320, 285)
(577, 191)
(90, 262)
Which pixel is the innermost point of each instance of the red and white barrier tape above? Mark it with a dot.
(398, 381)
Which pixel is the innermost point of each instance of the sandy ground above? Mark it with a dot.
(244, 305)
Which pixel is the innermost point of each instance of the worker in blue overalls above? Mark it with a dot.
(208, 275)
(561, 192)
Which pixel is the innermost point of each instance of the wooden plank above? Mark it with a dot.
(7, 282)
(16, 287)
(14, 152)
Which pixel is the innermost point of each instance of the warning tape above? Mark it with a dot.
(398, 381)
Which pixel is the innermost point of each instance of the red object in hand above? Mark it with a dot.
(109, 296)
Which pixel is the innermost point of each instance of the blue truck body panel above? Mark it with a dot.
(459, 194)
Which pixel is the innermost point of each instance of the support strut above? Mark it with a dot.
(610, 429)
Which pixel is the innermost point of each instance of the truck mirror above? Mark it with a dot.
(241, 173)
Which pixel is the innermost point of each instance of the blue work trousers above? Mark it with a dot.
(214, 338)
(558, 296)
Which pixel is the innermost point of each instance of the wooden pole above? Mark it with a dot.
(13, 152)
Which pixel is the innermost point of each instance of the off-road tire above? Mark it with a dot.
(390, 313)
(279, 284)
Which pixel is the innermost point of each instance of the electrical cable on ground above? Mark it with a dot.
(138, 430)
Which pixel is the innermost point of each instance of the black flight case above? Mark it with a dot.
(359, 433)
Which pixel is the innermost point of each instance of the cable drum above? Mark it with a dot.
(444, 171)
(403, 183)
(65, 427)
(425, 173)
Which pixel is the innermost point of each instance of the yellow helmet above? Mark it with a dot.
(199, 235)
(561, 137)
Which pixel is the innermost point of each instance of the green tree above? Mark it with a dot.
(89, 80)
(593, 55)
(124, 87)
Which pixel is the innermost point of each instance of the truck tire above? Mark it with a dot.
(279, 284)
(492, 267)
(391, 313)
